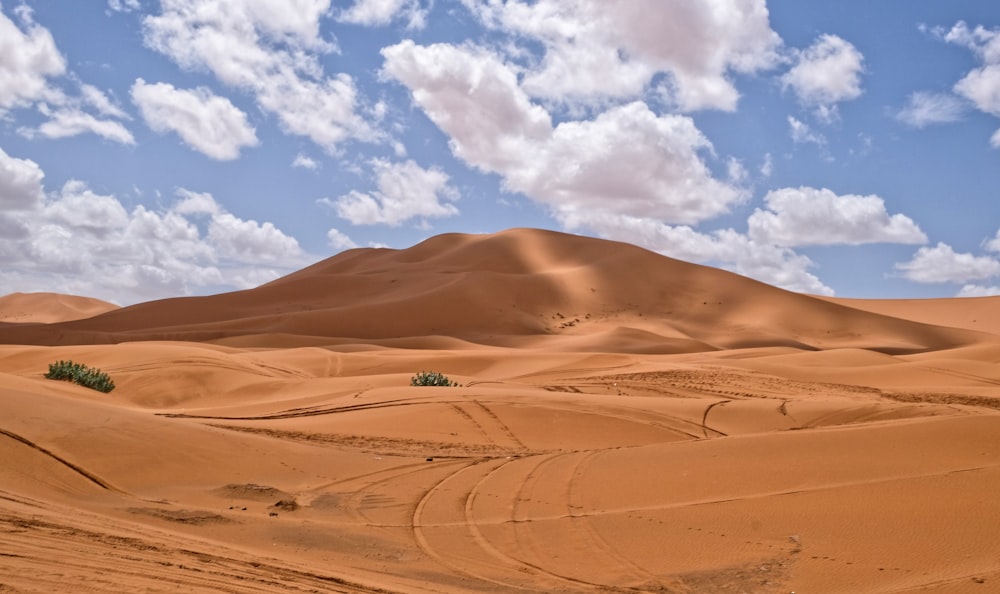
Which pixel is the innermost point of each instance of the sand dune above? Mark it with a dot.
(625, 423)
(510, 289)
(47, 308)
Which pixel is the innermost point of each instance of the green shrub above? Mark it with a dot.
(80, 374)
(431, 378)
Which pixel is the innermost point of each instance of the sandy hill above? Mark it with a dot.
(509, 288)
(47, 308)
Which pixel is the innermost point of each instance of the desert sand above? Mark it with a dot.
(625, 423)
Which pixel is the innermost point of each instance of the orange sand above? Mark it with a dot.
(626, 422)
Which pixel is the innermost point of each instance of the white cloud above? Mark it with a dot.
(20, 184)
(941, 264)
(802, 133)
(474, 98)
(250, 242)
(627, 160)
(29, 58)
(993, 245)
(736, 172)
(767, 167)
(826, 73)
(96, 98)
(206, 122)
(405, 191)
(597, 50)
(984, 42)
(971, 290)
(81, 210)
(271, 49)
(196, 203)
(123, 5)
(980, 85)
(78, 241)
(923, 109)
(71, 121)
(809, 216)
(305, 162)
(339, 240)
(373, 13)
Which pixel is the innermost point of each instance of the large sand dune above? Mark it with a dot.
(626, 422)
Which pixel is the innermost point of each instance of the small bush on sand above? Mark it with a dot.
(431, 378)
(77, 373)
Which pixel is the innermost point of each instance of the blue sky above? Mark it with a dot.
(154, 149)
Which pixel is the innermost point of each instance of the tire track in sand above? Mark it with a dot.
(74, 467)
(562, 519)
(574, 503)
(445, 529)
(519, 565)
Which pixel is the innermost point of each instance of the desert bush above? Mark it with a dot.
(80, 374)
(431, 378)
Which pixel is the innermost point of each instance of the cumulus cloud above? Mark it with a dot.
(196, 203)
(595, 50)
(30, 58)
(20, 183)
(627, 160)
(206, 122)
(339, 240)
(982, 87)
(810, 216)
(826, 73)
(269, 48)
(923, 109)
(405, 191)
(993, 244)
(79, 241)
(941, 264)
(373, 13)
(248, 241)
(304, 162)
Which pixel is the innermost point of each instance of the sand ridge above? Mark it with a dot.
(625, 423)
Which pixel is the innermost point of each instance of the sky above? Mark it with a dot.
(163, 148)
